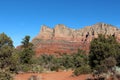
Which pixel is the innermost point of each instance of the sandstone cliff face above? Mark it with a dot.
(45, 33)
(63, 39)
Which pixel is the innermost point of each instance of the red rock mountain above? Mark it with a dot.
(62, 39)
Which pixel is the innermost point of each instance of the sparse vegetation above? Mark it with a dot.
(85, 69)
(103, 57)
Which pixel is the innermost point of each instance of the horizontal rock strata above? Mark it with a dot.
(62, 39)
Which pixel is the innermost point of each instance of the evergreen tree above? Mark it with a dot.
(27, 53)
(102, 52)
(6, 50)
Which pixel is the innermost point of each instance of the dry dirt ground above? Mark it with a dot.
(64, 75)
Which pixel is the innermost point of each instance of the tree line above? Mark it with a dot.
(103, 57)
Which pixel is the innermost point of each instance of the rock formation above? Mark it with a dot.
(62, 39)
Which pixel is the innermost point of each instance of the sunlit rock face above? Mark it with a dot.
(62, 39)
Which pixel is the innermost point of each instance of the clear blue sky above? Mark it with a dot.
(24, 17)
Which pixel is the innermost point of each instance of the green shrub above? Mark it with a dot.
(82, 70)
(37, 68)
(24, 68)
(5, 76)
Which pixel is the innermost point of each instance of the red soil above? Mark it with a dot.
(51, 76)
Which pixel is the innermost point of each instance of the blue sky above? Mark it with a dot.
(24, 17)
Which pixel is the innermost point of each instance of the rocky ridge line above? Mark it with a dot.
(64, 39)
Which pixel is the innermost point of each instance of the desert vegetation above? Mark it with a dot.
(103, 58)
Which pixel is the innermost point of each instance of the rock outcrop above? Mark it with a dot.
(62, 39)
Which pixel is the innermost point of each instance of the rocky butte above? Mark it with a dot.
(62, 39)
